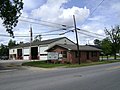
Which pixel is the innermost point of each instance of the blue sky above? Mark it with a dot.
(61, 12)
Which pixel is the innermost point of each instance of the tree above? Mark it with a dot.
(11, 43)
(97, 42)
(106, 46)
(4, 51)
(10, 11)
(114, 36)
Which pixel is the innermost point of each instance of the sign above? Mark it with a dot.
(60, 56)
(52, 56)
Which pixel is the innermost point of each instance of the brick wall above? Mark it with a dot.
(71, 57)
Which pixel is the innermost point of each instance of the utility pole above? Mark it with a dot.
(30, 57)
(78, 51)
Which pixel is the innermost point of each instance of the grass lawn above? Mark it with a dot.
(109, 56)
(43, 64)
(92, 63)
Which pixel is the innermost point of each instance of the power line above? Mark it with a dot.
(61, 29)
(84, 32)
(97, 7)
(87, 32)
(93, 11)
(41, 20)
(90, 32)
(4, 35)
(50, 34)
(89, 35)
(67, 31)
(47, 22)
(29, 36)
(57, 23)
(38, 23)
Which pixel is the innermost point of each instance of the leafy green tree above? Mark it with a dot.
(97, 42)
(10, 11)
(106, 46)
(114, 36)
(11, 43)
(4, 51)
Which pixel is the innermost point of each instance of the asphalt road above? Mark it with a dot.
(99, 77)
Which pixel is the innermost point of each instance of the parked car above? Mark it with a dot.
(117, 54)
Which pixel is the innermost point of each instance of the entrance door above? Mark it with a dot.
(34, 52)
(19, 53)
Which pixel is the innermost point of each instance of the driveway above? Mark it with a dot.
(11, 64)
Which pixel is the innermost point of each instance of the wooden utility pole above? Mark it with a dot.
(78, 51)
(30, 57)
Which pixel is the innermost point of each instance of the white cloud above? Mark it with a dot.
(97, 30)
(95, 27)
(54, 12)
(49, 10)
(80, 14)
(100, 31)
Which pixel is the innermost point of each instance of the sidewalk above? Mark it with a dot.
(15, 61)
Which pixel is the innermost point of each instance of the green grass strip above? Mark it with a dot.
(43, 64)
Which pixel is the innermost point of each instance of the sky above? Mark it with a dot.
(49, 15)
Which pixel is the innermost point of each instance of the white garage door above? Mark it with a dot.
(43, 53)
(26, 52)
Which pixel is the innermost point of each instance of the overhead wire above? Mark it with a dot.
(93, 11)
(4, 35)
(90, 32)
(87, 19)
(38, 23)
(56, 24)
(89, 35)
(64, 25)
(61, 29)
(45, 21)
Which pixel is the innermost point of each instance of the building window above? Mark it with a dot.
(94, 54)
(64, 53)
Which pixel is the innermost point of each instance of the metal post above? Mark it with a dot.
(76, 39)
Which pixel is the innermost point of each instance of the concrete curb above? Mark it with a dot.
(37, 68)
(3, 71)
